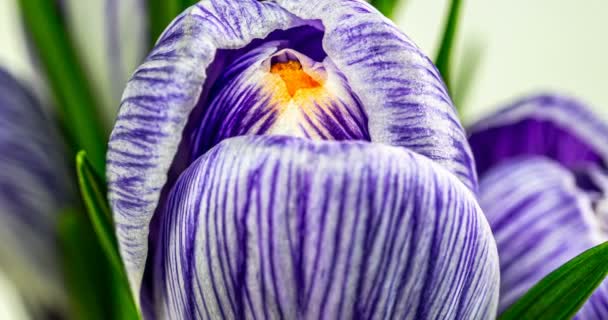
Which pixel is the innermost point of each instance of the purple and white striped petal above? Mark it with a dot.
(553, 126)
(275, 227)
(157, 103)
(400, 92)
(540, 219)
(33, 188)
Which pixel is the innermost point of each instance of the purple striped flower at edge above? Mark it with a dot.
(33, 189)
(544, 188)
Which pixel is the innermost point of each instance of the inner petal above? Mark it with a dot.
(278, 91)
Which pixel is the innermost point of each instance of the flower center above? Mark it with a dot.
(277, 91)
(294, 77)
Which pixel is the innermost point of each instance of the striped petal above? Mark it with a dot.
(540, 219)
(553, 126)
(112, 37)
(158, 132)
(288, 228)
(32, 191)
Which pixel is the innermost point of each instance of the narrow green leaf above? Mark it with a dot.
(445, 53)
(387, 7)
(93, 190)
(162, 12)
(564, 291)
(466, 73)
(72, 93)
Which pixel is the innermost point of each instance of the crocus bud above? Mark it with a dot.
(296, 159)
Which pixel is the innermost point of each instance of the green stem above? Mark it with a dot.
(444, 55)
(74, 98)
(387, 7)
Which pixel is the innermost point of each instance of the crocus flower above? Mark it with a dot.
(296, 159)
(33, 189)
(542, 163)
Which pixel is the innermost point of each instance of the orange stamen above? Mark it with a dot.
(294, 77)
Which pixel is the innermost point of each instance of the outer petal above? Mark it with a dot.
(157, 103)
(112, 35)
(540, 220)
(407, 101)
(553, 126)
(32, 191)
(285, 228)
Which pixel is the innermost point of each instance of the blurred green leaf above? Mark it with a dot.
(562, 293)
(73, 95)
(387, 7)
(446, 48)
(93, 190)
(162, 12)
(466, 73)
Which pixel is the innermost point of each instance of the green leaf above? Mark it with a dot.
(387, 7)
(162, 12)
(74, 98)
(446, 48)
(564, 291)
(93, 190)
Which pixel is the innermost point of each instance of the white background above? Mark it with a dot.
(527, 46)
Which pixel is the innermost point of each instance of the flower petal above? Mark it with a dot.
(273, 227)
(540, 220)
(33, 188)
(157, 103)
(553, 126)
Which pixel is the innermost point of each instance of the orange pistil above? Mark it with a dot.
(294, 77)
